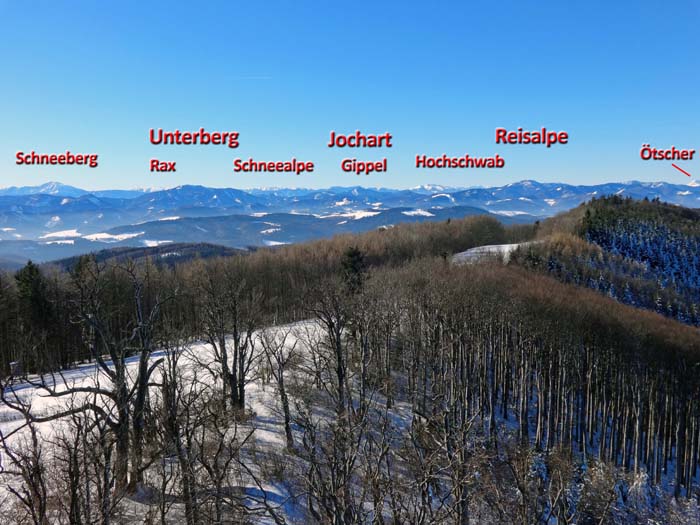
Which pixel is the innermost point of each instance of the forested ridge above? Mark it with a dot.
(643, 253)
(407, 389)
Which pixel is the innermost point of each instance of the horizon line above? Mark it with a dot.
(428, 185)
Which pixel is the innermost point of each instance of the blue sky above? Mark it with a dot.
(440, 76)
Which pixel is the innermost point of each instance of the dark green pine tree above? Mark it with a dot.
(354, 269)
(32, 288)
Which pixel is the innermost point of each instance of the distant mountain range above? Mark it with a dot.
(56, 221)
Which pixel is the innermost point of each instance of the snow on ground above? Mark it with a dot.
(154, 244)
(509, 213)
(61, 234)
(418, 213)
(443, 195)
(360, 214)
(480, 253)
(262, 402)
(108, 237)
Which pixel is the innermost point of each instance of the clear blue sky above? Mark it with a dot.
(440, 76)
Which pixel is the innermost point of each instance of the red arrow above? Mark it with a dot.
(682, 171)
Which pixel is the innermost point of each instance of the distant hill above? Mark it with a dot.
(169, 255)
(233, 231)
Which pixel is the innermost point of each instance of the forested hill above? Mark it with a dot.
(170, 254)
(642, 253)
(606, 210)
